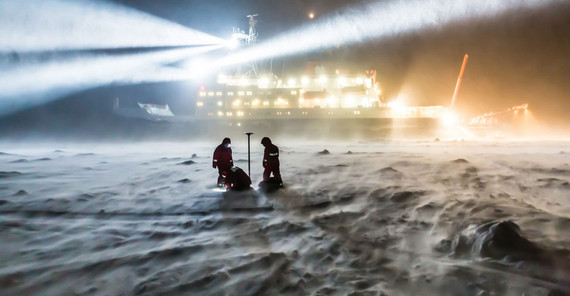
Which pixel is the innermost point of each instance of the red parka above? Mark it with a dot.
(223, 157)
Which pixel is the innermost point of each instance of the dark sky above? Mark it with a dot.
(517, 57)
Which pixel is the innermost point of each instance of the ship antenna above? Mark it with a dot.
(252, 37)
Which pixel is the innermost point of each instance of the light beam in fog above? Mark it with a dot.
(38, 25)
(48, 48)
(35, 84)
(381, 20)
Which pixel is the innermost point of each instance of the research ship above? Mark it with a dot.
(321, 101)
(325, 101)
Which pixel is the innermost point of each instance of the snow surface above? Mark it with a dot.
(361, 218)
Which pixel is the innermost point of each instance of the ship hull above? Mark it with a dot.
(320, 129)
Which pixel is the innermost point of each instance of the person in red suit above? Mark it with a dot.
(271, 161)
(223, 160)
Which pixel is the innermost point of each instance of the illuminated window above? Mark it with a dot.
(293, 92)
(210, 93)
(240, 93)
(230, 93)
(356, 112)
(210, 114)
(236, 102)
(229, 114)
(220, 113)
(202, 93)
(280, 102)
(219, 103)
(255, 102)
(279, 113)
(265, 103)
(249, 93)
(246, 103)
(239, 113)
(218, 93)
(200, 104)
(288, 112)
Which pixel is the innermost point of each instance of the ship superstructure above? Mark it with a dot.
(308, 96)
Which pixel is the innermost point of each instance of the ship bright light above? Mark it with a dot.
(449, 119)
(305, 80)
(222, 79)
(349, 102)
(323, 79)
(263, 82)
(331, 101)
(397, 104)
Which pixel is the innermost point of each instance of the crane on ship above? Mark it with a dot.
(490, 119)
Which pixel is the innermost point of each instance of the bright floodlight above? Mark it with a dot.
(396, 104)
(197, 68)
(449, 119)
(263, 82)
(233, 43)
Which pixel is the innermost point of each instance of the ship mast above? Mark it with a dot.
(247, 40)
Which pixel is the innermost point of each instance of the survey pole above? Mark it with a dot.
(248, 154)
